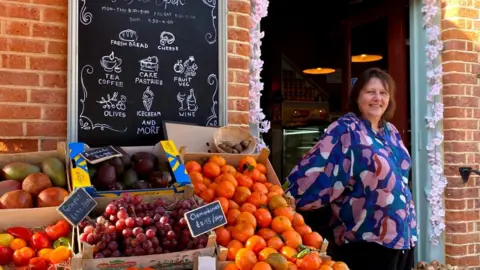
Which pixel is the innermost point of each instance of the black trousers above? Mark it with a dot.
(372, 256)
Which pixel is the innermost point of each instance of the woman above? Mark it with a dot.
(360, 168)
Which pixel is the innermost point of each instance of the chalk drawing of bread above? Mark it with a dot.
(128, 35)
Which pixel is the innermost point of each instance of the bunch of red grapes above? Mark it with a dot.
(130, 227)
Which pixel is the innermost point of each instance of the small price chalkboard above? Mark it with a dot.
(78, 205)
(205, 218)
(98, 155)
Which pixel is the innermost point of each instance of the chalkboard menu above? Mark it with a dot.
(141, 62)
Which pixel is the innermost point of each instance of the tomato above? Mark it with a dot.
(38, 264)
(6, 255)
(60, 229)
(39, 241)
(22, 256)
(20, 232)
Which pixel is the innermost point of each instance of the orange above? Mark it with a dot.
(273, 193)
(263, 216)
(256, 243)
(241, 195)
(268, 184)
(259, 187)
(233, 247)
(232, 205)
(223, 236)
(224, 203)
(246, 162)
(244, 181)
(230, 266)
(285, 211)
(17, 243)
(230, 178)
(196, 177)
(328, 261)
(245, 259)
(275, 243)
(263, 254)
(242, 232)
(302, 230)
(289, 253)
(291, 266)
(276, 202)
(254, 174)
(225, 189)
(275, 188)
(193, 166)
(262, 178)
(340, 266)
(258, 199)
(248, 218)
(60, 254)
(262, 266)
(248, 207)
(325, 267)
(313, 239)
(220, 161)
(207, 181)
(211, 170)
(228, 169)
(260, 167)
(208, 195)
(281, 224)
(198, 188)
(311, 261)
(292, 238)
(266, 233)
(232, 216)
(298, 220)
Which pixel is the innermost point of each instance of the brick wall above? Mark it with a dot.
(33, 64)
(461, 95)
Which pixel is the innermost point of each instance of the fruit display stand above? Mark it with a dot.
(154, 227)
(263, 230)
(146, 170)
(31, 182)
(35, 240)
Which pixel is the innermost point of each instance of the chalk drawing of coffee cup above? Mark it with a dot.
(111, 63)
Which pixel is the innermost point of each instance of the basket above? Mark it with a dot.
(236, 135)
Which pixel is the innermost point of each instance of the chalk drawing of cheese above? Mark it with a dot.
(128, 35)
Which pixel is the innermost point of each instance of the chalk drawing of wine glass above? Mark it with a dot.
(181, 99)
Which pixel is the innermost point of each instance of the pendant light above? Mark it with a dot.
(365, 58)
(319, 71)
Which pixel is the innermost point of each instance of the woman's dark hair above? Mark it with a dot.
(362, 81)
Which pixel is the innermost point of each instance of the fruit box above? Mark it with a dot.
(175, 260)
(35, 158)
(165, 151)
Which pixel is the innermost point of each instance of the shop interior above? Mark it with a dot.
(312, 55)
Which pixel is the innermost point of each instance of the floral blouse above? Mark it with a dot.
(374, 166)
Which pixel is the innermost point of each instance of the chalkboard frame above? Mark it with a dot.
(74, 7)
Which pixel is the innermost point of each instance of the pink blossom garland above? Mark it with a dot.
(435, 115)
(256, 115)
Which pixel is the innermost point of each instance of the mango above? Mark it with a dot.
(55, 169)
(6, 239)
(18, 170)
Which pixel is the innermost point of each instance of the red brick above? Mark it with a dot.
(18, 145)
(456, 112)
(26, 45)
(460, 56)
(19, 11)
(231, 76)
(242, 76)
(242, 49)
(238, 104)
(47, 129)
(455, 135)
(20, 112)
(56, 97)
(460, 11)
(453, 90)
(460, 124)
(460, 101)
(456, 67)
(57, 47)
(462, 238)
(58, 113)
(231, 47)
(48, 63)
(238, 118)
(239, 6)
(237, 90)
(455, 249)
(49, 144)
(50, 31)
(471, 193)
(238, 63)
(55, 15)
(58, 81)
(462, 215)
(11, 129)
(455, 158)
(243, 21)
(14, 61)
(17, 28)
(18, 78)
(451, 227)
(449, 45)
(3, 44)
(238, 34)
(58, 3)
(13, 95)
(231, 20)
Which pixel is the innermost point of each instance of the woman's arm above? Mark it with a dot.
(324, 172)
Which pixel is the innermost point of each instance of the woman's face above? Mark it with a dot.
(373, 100)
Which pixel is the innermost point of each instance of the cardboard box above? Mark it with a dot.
(166, 151)
(176, 260)
(35, 158)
